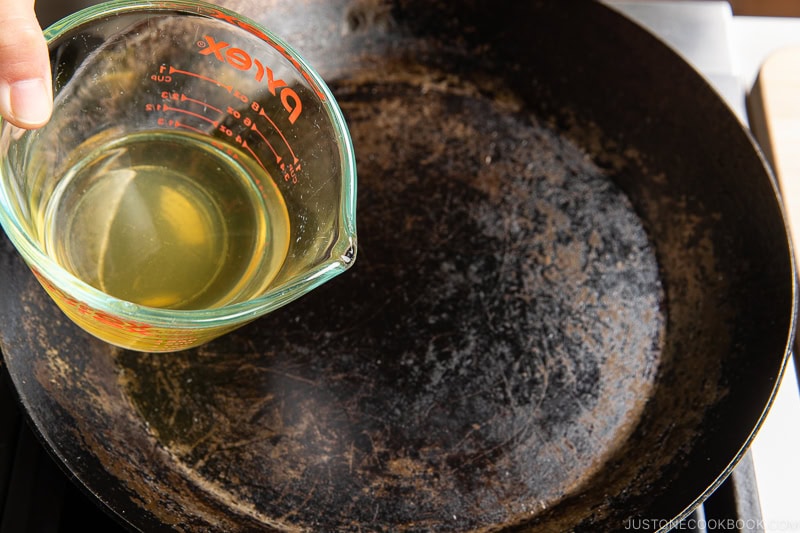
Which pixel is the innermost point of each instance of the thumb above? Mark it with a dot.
(26, 94)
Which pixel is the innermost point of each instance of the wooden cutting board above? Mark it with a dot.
(774, 109)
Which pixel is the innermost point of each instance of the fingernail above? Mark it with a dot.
(31, 102)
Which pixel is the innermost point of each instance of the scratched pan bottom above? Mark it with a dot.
(495, 344)
(490, 353)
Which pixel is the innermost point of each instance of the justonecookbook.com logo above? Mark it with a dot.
(711, 524)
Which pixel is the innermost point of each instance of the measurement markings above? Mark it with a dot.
(278, 158)
(277, 129)
(215, 123)
(252, 152)
(205, 105)
(179, 124)
(173, 70)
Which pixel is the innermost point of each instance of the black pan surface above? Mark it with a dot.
(573, 299)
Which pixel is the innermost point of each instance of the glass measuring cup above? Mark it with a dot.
(195, 175)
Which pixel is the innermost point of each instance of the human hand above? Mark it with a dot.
(26, 94)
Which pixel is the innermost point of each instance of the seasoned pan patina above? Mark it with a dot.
(572, 301)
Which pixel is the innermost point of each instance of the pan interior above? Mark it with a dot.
(494, 346)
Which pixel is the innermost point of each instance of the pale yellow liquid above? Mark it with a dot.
(163, 219)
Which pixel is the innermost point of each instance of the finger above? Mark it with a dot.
(26, 94)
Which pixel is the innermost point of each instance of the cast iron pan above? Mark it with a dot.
(573, 300)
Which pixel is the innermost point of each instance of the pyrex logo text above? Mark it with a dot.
(241, 60)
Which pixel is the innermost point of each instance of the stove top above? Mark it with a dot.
(37, 496)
